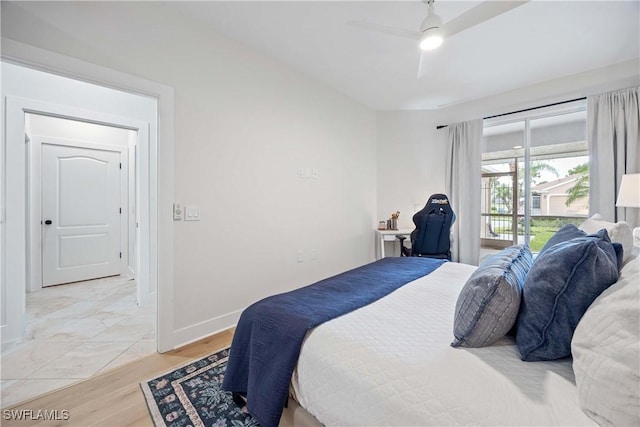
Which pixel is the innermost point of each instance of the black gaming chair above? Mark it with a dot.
(433, 227)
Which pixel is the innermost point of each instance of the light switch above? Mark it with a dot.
(192, 213)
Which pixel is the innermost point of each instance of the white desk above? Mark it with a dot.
(390, 235)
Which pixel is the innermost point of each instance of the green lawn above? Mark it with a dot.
(540, 236)
(542, 230)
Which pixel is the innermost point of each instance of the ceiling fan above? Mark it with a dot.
(432, 31)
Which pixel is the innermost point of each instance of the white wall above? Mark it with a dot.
(244, 125)
(412, 153)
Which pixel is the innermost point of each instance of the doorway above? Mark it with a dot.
(82, 202)
(27, 91)
(34, 75)
(30, 92)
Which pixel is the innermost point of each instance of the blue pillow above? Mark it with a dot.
(566, 232)
(570, 231)
(563, 282)
(619, 253)
(488, 304)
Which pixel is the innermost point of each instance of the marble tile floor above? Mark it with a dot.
(486, 252)
(73, 332)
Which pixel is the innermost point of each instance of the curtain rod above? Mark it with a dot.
(524, 110)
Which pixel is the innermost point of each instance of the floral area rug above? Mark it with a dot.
(191, 396)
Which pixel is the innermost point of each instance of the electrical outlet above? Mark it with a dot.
(313, 254)
(300, 255)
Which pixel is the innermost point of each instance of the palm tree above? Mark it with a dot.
(538, 167)
(503, 195)
(581, 188)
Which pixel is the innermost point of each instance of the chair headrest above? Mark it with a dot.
(438, 199)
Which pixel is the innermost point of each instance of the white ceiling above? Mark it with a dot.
(538, 41)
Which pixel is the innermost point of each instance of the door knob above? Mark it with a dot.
(48, 222)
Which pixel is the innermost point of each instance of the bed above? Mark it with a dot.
(391, 362)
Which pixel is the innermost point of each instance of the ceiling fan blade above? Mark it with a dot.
(427, 61)
(480, 13)
(386, 29)
(422, 69)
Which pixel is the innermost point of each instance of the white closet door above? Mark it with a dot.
(80, 214)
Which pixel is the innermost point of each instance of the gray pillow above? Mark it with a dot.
(488, 304)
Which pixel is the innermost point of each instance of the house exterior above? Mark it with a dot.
(549, 199)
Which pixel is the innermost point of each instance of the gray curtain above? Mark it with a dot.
(613, 132)
(462, 185)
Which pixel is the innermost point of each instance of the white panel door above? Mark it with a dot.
(80, 214)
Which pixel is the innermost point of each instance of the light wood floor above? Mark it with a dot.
(114, 398)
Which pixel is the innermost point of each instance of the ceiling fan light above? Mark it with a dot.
(431, 28)
(431, 38)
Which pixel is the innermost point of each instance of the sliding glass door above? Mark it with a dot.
(535, 175)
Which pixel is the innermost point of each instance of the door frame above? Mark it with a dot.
(160, 263)
(35, 273)
(17, 263)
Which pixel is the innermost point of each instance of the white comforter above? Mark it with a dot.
(390, 363)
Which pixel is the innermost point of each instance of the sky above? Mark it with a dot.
(562, 165)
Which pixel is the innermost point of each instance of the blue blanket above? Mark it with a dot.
(269, 335)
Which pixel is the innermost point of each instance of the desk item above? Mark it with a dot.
(382, 225)
(389, 236)
(394, 221)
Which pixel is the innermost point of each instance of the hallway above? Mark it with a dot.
(73, 332)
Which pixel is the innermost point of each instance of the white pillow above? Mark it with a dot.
(606, 352)
(619, 232)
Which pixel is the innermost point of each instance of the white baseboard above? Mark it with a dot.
(189, 334)
(6, 342)
(147, 299)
